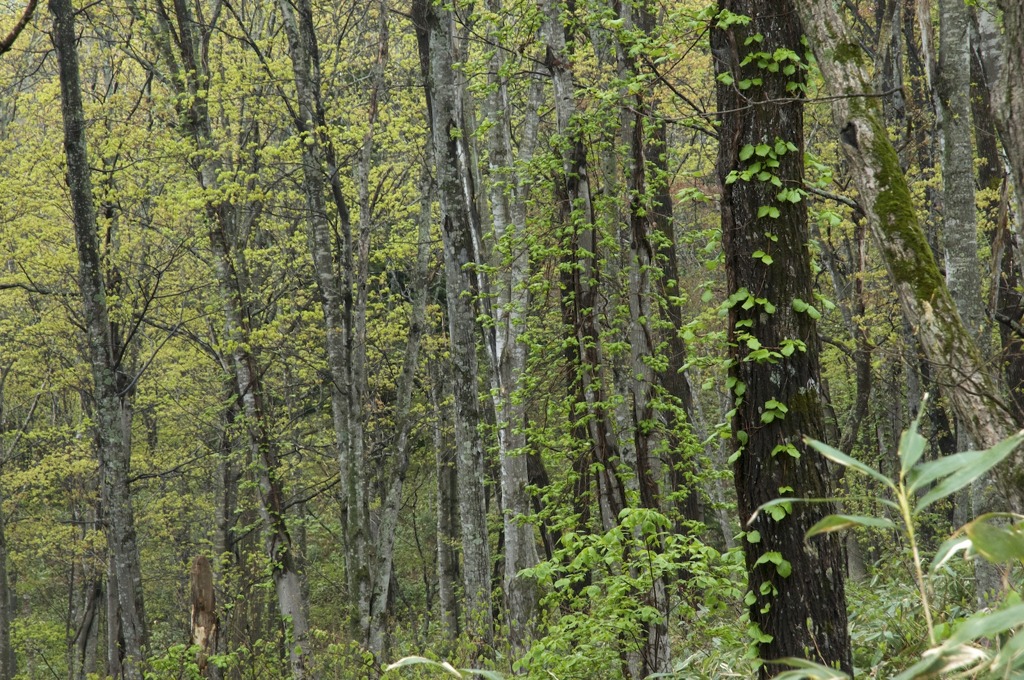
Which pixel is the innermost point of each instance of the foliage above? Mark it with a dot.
(987, 644)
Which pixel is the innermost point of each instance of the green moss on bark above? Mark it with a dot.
(894, 206)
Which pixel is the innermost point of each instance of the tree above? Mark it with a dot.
(457, 196)
(112, 428)
(923, 294)
(796, 591)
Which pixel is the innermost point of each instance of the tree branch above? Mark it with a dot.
(8, 42)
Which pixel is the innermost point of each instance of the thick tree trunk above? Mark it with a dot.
(457, 196)
(112, 441)
(959, 224)
(893, 221)
(796, 587)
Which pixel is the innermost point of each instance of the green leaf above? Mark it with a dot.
(974, 465)
(997, 544)
(841, 522)
(838, 456)
(912, 444)
(753, 537)
(949, 547)
(799, 305)
(746, 152)
(955, 653)
(423, 661)
(808, 670)
(762, 150)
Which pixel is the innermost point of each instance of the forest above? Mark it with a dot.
(582, 339)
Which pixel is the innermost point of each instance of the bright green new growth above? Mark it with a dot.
(989, 644)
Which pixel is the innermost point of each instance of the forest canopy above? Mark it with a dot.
(596, 339)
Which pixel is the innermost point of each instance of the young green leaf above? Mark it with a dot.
(975, 464)
(838, 456)
(840, 522)
(912, 444)
(423, 661)
(997, 544)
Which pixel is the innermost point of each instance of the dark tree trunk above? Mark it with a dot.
(112, 440)
(797, 587)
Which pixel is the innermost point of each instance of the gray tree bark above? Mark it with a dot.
(1010, 98)
(8, 664)
(403, 447)
(344, 318)
(511, 258)
(447, 516)
(457, 196)
(922, 291)
(190, 78)
(112, 441)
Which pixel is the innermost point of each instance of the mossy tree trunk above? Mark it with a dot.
(901, 241)
(796, 588)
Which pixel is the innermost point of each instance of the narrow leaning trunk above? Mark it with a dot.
(924, 296)
(796, 590)
(456, 194)
(111, 438)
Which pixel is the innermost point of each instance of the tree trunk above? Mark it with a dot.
(447, 518)
(893, 221)
(203, 630)
(381, 594)
(8, 665)
(511, 259)
(335, 284)
(1010, 98)
(111, 436)
(195, 118)
(796, 590)
(456, 194)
